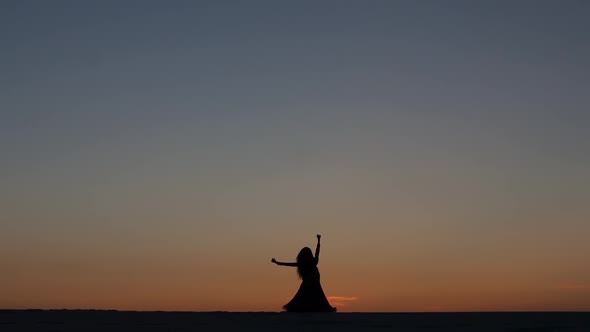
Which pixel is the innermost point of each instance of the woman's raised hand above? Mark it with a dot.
(318, 236)
(273, 260)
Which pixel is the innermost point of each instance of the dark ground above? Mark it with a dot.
(96, 320)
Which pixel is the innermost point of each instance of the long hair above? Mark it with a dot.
(305, 262)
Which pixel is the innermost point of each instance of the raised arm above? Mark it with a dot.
(317, 250)
(283, 263)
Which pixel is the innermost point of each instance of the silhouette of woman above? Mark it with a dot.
(310, 297)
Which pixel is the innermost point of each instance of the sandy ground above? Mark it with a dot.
(90, 320)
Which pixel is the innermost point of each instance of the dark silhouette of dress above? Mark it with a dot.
(310, 297)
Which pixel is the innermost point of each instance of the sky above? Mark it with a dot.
(155, 155)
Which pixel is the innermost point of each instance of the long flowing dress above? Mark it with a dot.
(310, 297)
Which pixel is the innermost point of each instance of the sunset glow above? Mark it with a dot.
(156, 156)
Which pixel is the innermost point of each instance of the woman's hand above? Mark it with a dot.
(318, 236)
(273, 260)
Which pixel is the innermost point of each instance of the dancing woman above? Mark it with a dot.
(310, 297)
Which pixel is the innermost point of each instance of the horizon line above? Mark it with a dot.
(278, 312)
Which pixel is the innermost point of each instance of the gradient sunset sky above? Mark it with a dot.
(155, 155)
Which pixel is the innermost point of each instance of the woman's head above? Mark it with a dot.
(305, 261)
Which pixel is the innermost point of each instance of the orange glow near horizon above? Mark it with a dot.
(179, 284)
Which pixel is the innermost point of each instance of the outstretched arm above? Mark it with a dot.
(283, 264)
(317, 250)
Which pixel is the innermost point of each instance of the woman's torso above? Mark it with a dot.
(311, 274)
